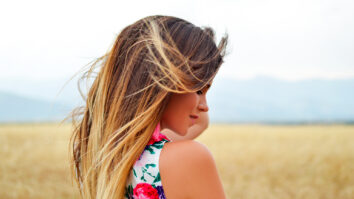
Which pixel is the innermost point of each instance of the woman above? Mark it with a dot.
(155, 77)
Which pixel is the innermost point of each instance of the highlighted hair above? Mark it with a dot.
(150, 59)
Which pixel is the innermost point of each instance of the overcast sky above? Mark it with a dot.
(286, 39)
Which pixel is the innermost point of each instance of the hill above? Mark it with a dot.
(258, 100)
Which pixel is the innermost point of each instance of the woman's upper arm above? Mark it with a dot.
(192, 172)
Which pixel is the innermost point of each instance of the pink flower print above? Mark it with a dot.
(145, 191)
(157, 136)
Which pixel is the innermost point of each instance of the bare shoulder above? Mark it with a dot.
(186, 151)
(188, 170)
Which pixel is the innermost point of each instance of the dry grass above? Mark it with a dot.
(255, 161)
(34, 161)
(314, 162)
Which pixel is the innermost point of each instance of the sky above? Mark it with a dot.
(290, 40)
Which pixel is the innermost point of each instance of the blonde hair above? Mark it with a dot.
(150, 59)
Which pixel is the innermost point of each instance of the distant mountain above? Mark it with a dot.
(258, 100)
(265, 99)
(53, 90)
(16, 108)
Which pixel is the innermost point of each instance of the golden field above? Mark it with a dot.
(254, 161)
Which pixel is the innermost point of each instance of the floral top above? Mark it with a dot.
(144, 181)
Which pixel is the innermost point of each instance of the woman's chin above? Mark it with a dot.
(181, 132)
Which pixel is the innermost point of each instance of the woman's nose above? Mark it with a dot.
(203, 107)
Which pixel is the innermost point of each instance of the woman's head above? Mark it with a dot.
(152, 63)
(184, 111)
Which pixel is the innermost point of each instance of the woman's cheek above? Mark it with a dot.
(194, 101)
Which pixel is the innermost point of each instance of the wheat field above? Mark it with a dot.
(254, 161)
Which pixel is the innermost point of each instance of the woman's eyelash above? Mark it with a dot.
(199, 92)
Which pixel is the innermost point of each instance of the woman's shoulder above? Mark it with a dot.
(185, 150)
(188, 170)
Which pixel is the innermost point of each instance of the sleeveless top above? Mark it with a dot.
(144, 181)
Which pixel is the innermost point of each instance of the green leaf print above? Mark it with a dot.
(150, 165)
(158, 145)
(150, 149)
(134, 173)
(129, 191)
(144, 170)
(158, 178)
(142, 178)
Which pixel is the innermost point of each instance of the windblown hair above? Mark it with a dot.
(150, 59)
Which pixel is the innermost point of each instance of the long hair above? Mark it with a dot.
(149, 60)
